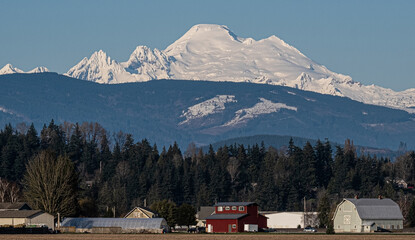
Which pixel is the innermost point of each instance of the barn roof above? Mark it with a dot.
(125, 223)
(373, 208)
(204, 212)
(14, 206)
(226, 216)
(234, 204)
(19, 214)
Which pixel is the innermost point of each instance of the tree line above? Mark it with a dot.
(107, 171)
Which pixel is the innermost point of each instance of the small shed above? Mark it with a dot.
(367, 215)
(125, 225)
(26, 218)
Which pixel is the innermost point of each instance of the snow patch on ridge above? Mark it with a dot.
(210, 106)
(263, 107)
(6, 111)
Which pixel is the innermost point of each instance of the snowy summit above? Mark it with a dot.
(9, 69)
(214, 53)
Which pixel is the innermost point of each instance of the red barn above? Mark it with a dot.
(235, 217)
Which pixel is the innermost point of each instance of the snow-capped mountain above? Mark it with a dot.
(214, 53)
(101, 68)
(9, 69)
(146, 64)
(39, 70)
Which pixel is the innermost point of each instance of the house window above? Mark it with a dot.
(227, 208)
(241, 208)
(233, 208)
(233, 226)
(220, 209)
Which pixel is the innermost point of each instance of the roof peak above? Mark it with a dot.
(234, 203)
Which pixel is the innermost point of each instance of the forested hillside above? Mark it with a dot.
(119, 171)
(168, 111)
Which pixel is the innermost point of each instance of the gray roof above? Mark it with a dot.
(19, 213)
(233, 204)
(373, 208)
(205, 212)
(124, 223)
(14, 206)
(226, 216)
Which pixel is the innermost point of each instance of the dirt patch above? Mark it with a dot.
(208, 236)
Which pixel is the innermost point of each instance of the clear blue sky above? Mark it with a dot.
(372, 41)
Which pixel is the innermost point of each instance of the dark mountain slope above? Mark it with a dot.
(155, 109)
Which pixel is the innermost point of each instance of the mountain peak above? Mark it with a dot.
(100, 56)
(9, 69)
(39, 70)
(99, 68)
(204, 34)
(201, 28)
(213, 52)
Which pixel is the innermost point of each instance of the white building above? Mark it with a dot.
(291, 219)
(367, 215)
(26, 218)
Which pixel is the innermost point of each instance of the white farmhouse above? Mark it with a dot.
(367, 215)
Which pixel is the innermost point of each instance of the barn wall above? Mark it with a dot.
(285, 220)
(12, 221)
(347, 219)
(222, 225)
(44, 219)
(230, 211)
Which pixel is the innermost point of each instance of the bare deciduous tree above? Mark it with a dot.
(13, 193)
(233, 168)
(50, 184)
(4, 187)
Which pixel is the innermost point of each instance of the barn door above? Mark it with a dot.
(210, 228)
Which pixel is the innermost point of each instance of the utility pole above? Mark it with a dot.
(59, 221)
(305, 210)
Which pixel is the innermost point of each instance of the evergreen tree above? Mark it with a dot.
(167, 210)
(52, 138)
(411, 215)
(324, 211)
(186, 215)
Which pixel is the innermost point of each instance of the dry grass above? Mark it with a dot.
(208, 236)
